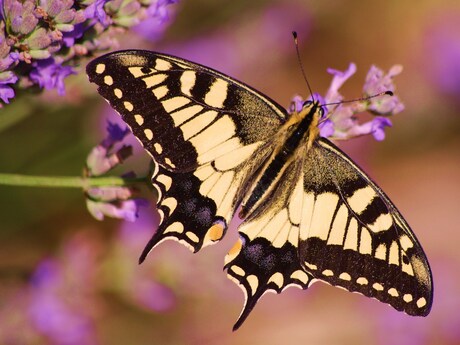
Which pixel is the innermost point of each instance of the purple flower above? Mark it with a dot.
(23, 19)
(49, 75)
(158, 13)
(104, 157)
(96, 12)
(115, 134)
(121, 209)
(6, 91)
(376, 82)
(41, 40)
(111, 201)
(340, 121)
(338, 80)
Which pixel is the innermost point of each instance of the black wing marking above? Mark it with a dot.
(185, 214)
(185, 114)
(354, 237)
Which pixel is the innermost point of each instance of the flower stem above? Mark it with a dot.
(67, 181)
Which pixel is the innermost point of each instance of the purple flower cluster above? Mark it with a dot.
(116, 202)
(340, 121)
(42, 41)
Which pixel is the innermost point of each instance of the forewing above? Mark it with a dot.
(184, 114)
(354, 237)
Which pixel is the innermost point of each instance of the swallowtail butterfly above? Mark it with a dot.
(310, 213)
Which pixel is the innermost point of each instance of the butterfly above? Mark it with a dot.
(309, 212)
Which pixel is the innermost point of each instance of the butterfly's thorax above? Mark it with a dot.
(293, 139)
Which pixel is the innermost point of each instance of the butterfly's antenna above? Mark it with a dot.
(388, 92)
(294, 34)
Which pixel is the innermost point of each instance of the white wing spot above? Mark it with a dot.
(361, 199)
(155, 79)
(174, 103)
(158, 148)
(324, 209)
(328, 273)
(310, 266)
(238, 270)
(175, 227)
(170, 203)
(108, 80)
(406, 243)
(160, 92)
(128, 106)
(377, 286)
(100, 68)
(165, 180)
(253, 283)
(407, 298)
(362, 281)
(307, 214)
(136, 72)
(365, 243)
(148, 134)
(394, 253)
(337, 234)
(421, 302)
(187, 81)
(161, 214)
(407, 268)
(192, 236)
(382, 223)
(168, 162)
(277, 278)
(345, 276)
(351, 239)
(393, 292)
(301, 276)
(381, 252)
(139, 119)
(162, 65)
(217, 94)
(294, 205)
(118, 93)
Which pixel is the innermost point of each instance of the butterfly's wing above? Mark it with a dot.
(184, 114)
(266, 257)
(354, 237)
(331, 223)
(204, 130)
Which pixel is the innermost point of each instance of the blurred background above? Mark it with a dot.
(66, 278)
